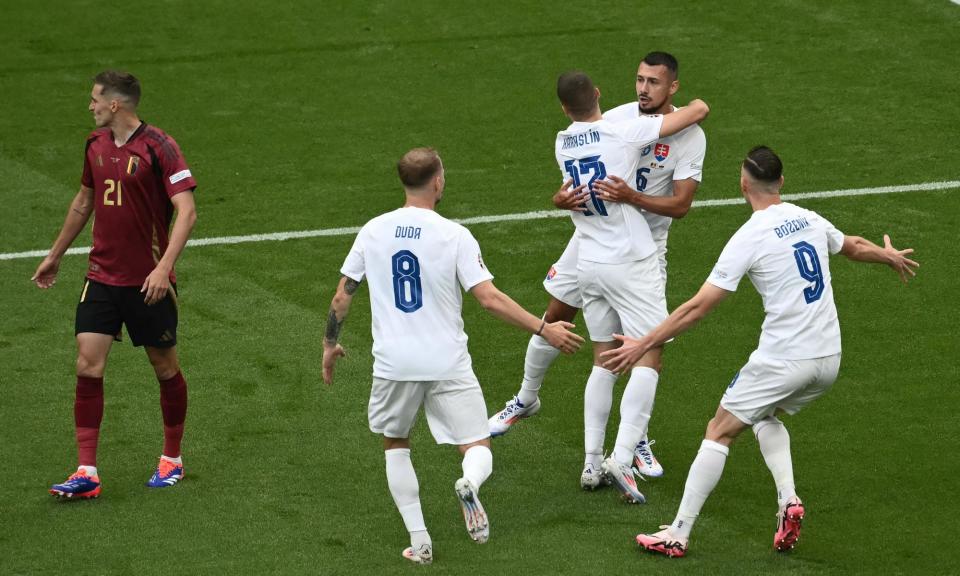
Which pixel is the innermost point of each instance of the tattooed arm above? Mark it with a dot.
(80, 211)
(339, 308)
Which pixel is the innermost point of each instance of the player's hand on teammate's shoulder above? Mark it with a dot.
(46, 273)
(613, 189)
(571, 198)
(899, 261)
(330, 354)
(626, 356)
(559, 336)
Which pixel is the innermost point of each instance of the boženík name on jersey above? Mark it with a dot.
(580, 139)
(790, 226)
(407, 232)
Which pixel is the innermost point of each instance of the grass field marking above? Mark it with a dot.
(535, 215)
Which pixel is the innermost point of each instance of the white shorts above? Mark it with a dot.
(764, 385)
(561, 280)
(624, 298)
(456, 412)
(661, 241)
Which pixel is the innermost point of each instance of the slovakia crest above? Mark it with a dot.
(645, 151)
(661, 152)
(551, 273)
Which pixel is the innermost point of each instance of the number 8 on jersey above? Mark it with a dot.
(407, 289)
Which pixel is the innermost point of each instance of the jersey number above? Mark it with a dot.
(407, 289)
(588, 165)
(112, 186)
(809, 265)
(641, 179)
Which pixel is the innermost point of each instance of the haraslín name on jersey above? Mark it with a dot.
(611, 232)
(577, 140)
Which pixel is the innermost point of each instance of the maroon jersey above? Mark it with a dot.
(132, 187)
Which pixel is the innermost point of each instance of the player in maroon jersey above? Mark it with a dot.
(134, 179)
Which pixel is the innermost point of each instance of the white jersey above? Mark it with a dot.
(610, 233)
(785, 250)
(413, 259)
(670, 158)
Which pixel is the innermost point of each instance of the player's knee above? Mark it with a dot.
(654, 363)
(768, 421)
(719, 432)
(165, 366)
(88, 367)
(558, 311)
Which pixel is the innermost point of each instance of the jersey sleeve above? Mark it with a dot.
(86, 179)
(834, 236)
(692, 153)
(470, 267)
(176, 174)
(354, 267)
(621, 112)
(734, 261)
(640, 131)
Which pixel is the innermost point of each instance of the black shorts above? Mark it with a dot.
(104, 309)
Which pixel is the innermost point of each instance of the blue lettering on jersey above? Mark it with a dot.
(808, 263)
(790, 226)
(407, 232)
(583, 139)
(407, 287)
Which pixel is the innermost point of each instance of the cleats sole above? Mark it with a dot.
(790, 537)
(473, 513)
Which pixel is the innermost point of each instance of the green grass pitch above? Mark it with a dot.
(292, 115)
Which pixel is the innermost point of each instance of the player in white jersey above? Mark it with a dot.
(667, 180)
(416, 263)
(785, 251)
(617, 266)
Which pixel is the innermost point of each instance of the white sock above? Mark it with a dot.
(402, 480)
(176, 460)
(704, 474)
(597, 400)
(635, 409)
(419, 538)
(477, 465)
(90, 470)
(540, 355)
(774, 443)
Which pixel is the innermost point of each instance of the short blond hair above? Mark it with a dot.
(418, 166)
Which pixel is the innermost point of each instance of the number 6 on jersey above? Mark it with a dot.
(407, 288)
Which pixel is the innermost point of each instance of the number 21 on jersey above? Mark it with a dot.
(113, 194)
(407, 288)
(589, 165)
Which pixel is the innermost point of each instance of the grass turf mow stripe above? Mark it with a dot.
(535, 215)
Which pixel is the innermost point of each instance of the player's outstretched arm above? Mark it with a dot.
(558, 334)
(157, 283)
(339, 307)
(863, 250)
(694, 112)
(80, 210)
(683, 318)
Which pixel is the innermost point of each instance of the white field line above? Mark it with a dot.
(537, 215)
